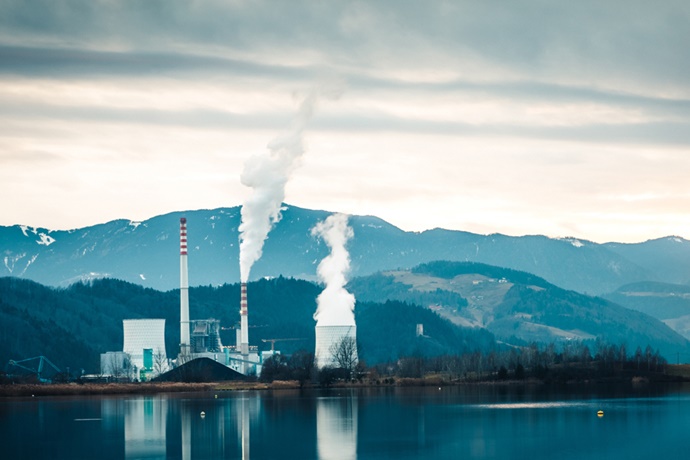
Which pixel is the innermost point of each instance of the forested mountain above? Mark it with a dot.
(146, 253)
(517, 307)
(667, 302)
(72, 326)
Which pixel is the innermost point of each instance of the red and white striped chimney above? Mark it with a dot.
(184, 290)
(244, 323)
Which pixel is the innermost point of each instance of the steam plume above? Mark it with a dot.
(267, 175)
(335, 305)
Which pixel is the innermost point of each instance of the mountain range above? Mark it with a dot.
(146, 252)
(517, 289)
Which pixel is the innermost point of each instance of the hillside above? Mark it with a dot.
(146, 253)
(667, 302)
(517, 307)
(72, 326)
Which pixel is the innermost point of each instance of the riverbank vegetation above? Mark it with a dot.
(574, 362)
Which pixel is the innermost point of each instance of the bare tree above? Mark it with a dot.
(160, 362)
(119, 365)
(344, 353)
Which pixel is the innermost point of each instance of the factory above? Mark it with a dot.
(204, 340)
(144, 356)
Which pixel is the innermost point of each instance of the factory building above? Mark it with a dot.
(143, 351)
(206, 336)
(144, 342)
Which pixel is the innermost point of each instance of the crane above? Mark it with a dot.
(42, 360)
(273, 342)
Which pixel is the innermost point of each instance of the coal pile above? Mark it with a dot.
(200, 370)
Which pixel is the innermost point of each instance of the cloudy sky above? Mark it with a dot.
(517, 117)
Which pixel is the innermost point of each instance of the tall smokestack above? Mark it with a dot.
(244, 323)
(184, 290)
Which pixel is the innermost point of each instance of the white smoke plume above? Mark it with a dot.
(267, 174)
(335, 305)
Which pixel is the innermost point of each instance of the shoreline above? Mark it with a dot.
(26, 390)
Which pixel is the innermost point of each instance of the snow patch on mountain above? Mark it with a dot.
(45, 239)
(574, 241)
(28, 264)
(10, 261)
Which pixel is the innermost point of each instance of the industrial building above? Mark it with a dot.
(144, 355)
(143, 351)
(144, 339)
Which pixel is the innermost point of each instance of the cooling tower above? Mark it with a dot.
(184, 291)
(330, 338)
(141, 334)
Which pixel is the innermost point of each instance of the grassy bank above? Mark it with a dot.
(73, 389)
(672, 373)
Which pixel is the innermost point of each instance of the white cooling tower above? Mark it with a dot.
(328, 338)
(141, 334)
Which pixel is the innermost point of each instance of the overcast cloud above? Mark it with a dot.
(518, 117)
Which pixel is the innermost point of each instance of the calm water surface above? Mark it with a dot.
(387, 423)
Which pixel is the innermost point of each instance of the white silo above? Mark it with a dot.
(143, 334)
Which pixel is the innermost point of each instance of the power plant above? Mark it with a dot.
(144, 339)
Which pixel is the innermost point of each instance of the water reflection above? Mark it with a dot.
(145, 427)
(224, 429)
(336, 425)
(400, 423)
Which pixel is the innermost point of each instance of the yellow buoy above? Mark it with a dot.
(600, 413)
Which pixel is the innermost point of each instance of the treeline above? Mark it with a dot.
(573, 362)
(449, 270)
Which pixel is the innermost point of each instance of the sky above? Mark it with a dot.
(567, 119)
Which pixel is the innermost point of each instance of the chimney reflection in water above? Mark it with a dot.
(145, 427)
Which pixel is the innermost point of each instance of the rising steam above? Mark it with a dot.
(267, 175)
(335, 306)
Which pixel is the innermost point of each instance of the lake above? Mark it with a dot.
(477, 422)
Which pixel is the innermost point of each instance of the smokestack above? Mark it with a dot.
(184, 290)
(244, 323)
